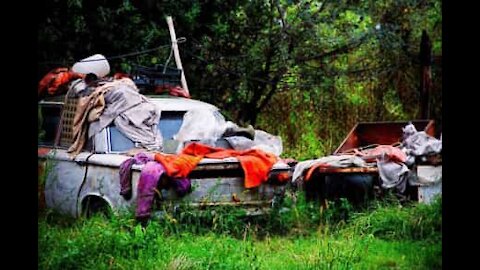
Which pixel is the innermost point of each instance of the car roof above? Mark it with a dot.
(170, 103)
(163, 102)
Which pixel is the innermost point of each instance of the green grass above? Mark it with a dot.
(297, 236)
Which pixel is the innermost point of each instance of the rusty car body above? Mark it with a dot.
(358, 183)
(90, 182)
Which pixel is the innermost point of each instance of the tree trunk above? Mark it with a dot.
(426, 74)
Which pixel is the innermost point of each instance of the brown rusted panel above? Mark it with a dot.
(208, 173)
(351, 141)
(233, 203)
(430, 128)
(227, 169)
(385, 133)
(224, 190)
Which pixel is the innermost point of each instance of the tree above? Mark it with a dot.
(320, 65)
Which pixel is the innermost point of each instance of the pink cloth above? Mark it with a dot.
(393, 153)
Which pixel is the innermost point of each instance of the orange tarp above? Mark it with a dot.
(255, 163)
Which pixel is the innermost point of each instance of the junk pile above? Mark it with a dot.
(204, 137)
(103, 100)
(212, 129)
(415, 161)
(163, 171)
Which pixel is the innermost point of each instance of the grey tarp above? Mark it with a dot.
(392, 174)
(415, 144)
(341, 161)
(133, 115)
(262, 140)
(420, 143)
(119, 99)
(140, 124)
(239, 142)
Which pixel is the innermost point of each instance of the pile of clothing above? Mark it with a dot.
(117, 101)
(102, 101)
(211, 128)
(162, 171)
(393, 162)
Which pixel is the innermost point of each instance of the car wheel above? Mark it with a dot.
(94, 205)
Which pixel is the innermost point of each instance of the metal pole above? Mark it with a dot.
(176, 53)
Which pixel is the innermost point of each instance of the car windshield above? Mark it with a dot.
(170, 123)
(49, 118)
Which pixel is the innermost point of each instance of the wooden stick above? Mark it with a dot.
(176, 53)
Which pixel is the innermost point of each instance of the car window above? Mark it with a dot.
(49, 119)
(170, 123)
(118, 141)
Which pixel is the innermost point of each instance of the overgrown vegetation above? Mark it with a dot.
(304, 70)
(296, 235)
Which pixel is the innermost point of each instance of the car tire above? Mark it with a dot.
(94, 205)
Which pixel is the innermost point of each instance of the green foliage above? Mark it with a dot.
(393, 107)
(397, 222)
(192, 14)
(307, 71)
(295, 234)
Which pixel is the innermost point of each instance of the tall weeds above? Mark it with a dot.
(337, 237)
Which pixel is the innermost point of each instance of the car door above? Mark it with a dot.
(102, 182)
(61, 174)
(64, 181)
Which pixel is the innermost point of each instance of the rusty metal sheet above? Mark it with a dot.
(386, 133)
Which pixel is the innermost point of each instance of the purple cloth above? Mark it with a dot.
(149, 177)
(148, 182)
(151, 173)
(126, 175)
(181, 185)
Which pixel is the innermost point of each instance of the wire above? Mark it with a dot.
(168, 61)
(179, 40)
(128, 54)
(225, 70)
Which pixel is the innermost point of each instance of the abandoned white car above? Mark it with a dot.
(89, 181)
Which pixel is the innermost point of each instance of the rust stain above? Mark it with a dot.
(235, 197)
(42, 151)
(283, 177)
